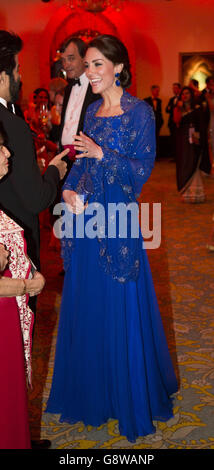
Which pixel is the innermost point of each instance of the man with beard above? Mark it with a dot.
(24, 193)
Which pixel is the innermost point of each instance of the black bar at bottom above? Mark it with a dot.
(94, 459)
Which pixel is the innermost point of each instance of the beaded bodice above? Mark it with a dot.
(128, 145)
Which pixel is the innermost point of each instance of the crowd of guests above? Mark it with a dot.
(191, 124)
(43, 114)
(191, 127)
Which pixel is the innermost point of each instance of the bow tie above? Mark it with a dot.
(76, 81)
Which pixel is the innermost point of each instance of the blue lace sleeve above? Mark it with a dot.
(75, 174)
(134, 169)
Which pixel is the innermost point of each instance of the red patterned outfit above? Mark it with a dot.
(16, 322)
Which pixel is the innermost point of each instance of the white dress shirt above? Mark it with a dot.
(73, 110)
(4, 102)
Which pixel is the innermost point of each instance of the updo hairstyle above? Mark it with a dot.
(115, 51)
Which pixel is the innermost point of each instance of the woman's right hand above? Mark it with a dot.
(35, 285)
(3, 257)
(73, 201)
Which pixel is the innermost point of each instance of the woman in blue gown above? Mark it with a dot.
(112, 359)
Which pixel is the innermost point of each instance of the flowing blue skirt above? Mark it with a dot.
(112, 359)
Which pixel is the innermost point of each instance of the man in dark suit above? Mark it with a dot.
(156, 104)
(23, 192)
(78, 93)
(204, 102)
(209, 85)
(204, 98)
(176, 88)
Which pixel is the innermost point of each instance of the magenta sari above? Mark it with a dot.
(16, 322)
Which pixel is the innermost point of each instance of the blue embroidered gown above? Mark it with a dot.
(112, 359)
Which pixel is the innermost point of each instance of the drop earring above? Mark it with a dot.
(117, 81)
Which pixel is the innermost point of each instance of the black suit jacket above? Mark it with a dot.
(169, 110)
(157, 112)
(24, 192)
(205, 164)
(205, 106)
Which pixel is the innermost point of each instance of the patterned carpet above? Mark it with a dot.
(183, 275)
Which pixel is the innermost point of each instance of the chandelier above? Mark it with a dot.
(95, 6)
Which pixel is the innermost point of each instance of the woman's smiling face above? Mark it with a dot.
(100, 71)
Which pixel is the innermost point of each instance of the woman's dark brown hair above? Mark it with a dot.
(192, 97)
(115, 51)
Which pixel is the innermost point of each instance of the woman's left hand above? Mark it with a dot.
(87, 147)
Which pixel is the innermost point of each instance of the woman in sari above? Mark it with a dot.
(187, 117)
(17, 283)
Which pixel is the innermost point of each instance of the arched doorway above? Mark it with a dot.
(66, 22)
